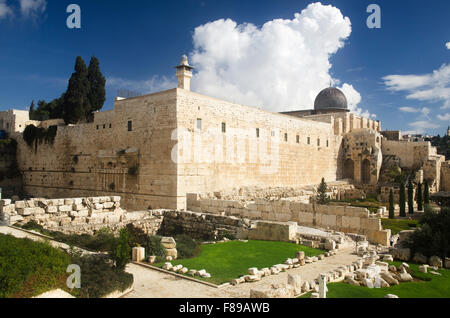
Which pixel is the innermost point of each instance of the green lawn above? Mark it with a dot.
(429, 286)
(397, 225)
(226, 261)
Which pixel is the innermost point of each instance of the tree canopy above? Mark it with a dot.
(85, 94)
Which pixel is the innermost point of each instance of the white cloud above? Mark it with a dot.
(445, 117)
(5, 10)
(32, 7)
(146, 86)
(409, 109)
(447, 45)
(427, 87)
(279, 66)
(419, 127)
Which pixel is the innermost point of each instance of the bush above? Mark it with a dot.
(29, 268)
(102, 241)
(121, 250)
(186, 246)
(99, 277)
(151, 243)
(33, 135)
(433, 237)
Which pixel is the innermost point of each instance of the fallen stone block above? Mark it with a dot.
(433, 261)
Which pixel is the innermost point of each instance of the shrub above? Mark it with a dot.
(186, 246)
(121, 250)
(33, 135)
(426, 194)
(433, 237)
(99, 277)
(29, 268)
(151, 243)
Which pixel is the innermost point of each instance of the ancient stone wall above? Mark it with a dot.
(125, 152)
(445, 176)
(237, 146)
(340, 218)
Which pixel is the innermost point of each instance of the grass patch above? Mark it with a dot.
(29, 268)
(398, 225)
(230, 260)
(425, 286)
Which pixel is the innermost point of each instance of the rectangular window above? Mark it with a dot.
(104, 126)
(224, 128)
(199, 123)
(272, 133)
(309, 140)
(110, 125)
(318, 142)
(257, 132)
(328, 143)
(298, 139)
(130, 125)
(97, 127)
(285, 137)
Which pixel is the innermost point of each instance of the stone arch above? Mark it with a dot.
(365, 171)
(349, 169)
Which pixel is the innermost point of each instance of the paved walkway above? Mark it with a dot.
(150, 283)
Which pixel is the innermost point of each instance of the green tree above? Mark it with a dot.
(322, 197)
(419, 197)
(402, 200)
(76, 101)
(121, 250)
(97, 81)
(426, 194)
(391, 205)
(410, 198)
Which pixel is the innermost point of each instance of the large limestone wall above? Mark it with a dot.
(104, 158)
(211, 160)
(341, 218)
(412, 154)
(445, 176)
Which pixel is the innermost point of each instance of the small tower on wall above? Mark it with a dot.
(184, 74)
(448, 131)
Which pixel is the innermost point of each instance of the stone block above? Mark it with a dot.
(168, 242)
(65, 221)
(328, 220)
(138, 254)
(108, 205)
(435, 261)
(68, 201)
(51, 209)
(172, 252)
(20, 204)
(65, 208)
(10, 208)
(351, 223)
(115, 198)
(25, 211)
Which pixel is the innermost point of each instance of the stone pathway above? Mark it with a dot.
(149, 283)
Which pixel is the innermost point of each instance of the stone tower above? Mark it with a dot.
(184, 74)
(448, 131)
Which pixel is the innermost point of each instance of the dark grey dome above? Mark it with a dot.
(330, 98)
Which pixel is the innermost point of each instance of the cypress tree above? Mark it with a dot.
(410, 198)
(402, 200)
(32, 111)
(322, 197)
(97, 81)
(76, 101)
(419, 197)
(391, 205)
(426, 194)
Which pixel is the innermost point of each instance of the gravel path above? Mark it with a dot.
(150, 283)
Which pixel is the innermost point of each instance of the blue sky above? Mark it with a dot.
(139, 42)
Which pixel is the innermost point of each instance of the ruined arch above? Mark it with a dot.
(349, 169)
(365, 171)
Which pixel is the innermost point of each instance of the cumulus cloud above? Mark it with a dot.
(447, 45)
(32, 7)
(419, 127)
(279, 66)
(5, 10)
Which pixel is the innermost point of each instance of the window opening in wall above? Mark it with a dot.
(224, 128)
(257, 132)
(285, 137)
(309, 140)
(199, 123)
(130, 125)
(298, 139)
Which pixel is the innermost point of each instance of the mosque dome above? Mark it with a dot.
(330, 99)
